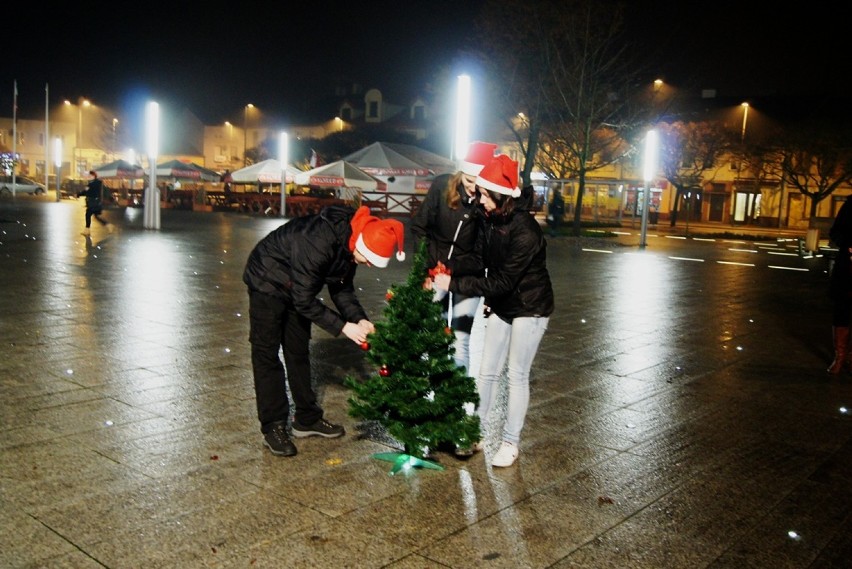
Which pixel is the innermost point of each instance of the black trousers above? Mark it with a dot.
(275, 324)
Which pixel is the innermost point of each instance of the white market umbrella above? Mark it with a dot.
(264, 172)
(120, 169)
(340, 174)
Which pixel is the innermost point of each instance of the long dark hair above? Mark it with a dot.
(505, 204)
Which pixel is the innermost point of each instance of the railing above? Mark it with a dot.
(263, 203)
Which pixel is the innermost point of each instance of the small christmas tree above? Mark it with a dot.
(418, 393)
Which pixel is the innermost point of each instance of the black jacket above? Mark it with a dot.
(517, 283)
(438, 224)
(840, 283)
(94, 194)
(296, 260)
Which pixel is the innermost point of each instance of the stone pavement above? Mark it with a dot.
(680, 414)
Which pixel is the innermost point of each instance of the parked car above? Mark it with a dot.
(23, 185)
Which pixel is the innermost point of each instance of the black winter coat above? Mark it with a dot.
(840, 283)
(438, 224)
(517, 283)
(296, 260)
(94, 194)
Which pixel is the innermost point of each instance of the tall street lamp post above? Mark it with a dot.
(245, 133)
(78, 146)
(649, 170)
(745, 120)
(114, 140)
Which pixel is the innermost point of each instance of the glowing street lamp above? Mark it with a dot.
(649, 169)
(245, 133)
(284, 156)
(114, 124)
(462, 117)
(745, 120)
(78, 146)
(57, 162)
(152, 141)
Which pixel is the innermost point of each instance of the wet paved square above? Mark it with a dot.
(680, 414)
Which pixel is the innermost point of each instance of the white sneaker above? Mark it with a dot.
(506, 456)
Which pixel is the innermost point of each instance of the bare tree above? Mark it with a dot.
(689, 153)
(568, 67)
(816, 163)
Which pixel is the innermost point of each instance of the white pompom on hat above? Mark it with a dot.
(377, 238)
(501, 176)
(478, 155)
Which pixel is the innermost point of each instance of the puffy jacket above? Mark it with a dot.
(444, 228)
(517, 282)
(840, 282)
(295, 261)
(94, 194)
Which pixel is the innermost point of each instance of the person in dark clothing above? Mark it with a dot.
(517, 291)
(840, 288)
(555, 212)
(226, 180)
(284, 274)
(94, 203)
(447, 221)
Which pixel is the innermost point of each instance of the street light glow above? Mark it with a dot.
(462, 117)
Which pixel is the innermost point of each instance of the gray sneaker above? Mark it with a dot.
(278, 441)
(321, 428)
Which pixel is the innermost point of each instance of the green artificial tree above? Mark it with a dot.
(418, 393)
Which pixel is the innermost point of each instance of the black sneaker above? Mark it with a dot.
(278, 441)
(321, 428)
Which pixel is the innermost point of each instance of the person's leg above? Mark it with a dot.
(840, 319)
(266, 315)
(297, 338)
(464, 311)
(497, 334)
(88, 218)
(525, 338)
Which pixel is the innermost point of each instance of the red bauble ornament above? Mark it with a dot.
(448, 330)
(439, 269)
(388, 295)
(365, 346)
(384, 372)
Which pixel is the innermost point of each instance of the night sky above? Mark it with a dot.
(213, 61)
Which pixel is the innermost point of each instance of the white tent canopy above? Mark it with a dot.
(340, 174)
(264, 172)
(402, 167)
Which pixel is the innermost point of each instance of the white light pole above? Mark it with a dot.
(114, 140)
(745, 120)
(462, 133)
(57, 161)
(152, 193)
(649, 169)
(284, 156)
(245, 133)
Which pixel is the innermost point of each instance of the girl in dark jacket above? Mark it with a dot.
(517, 291)
(447, 221)
(284, 274)
(840, 287)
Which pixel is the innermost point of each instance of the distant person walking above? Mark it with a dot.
(555, 211)
(95, 203)
(840, 288)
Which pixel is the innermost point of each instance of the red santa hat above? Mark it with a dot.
(376, 238)
(478, 155)
(501, 176)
